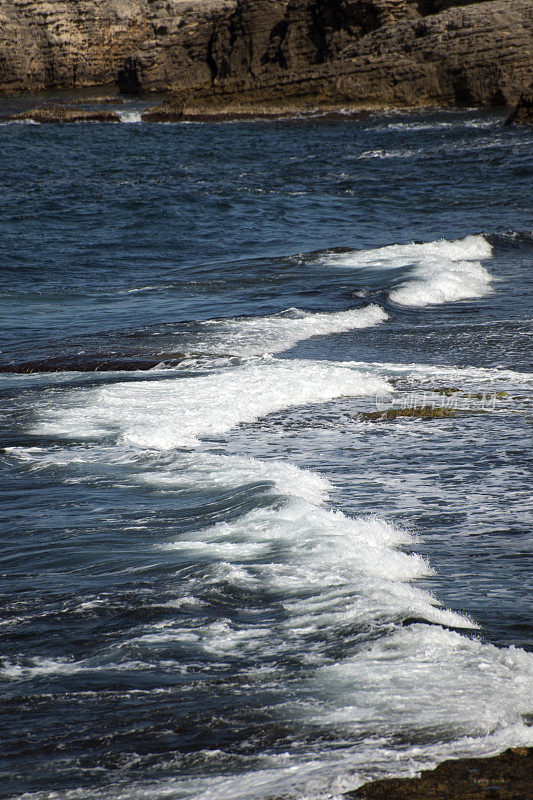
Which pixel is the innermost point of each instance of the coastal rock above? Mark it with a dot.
(64, 44)
(508, 776)
(169, 111)
(417, 412)
(523, 111)
(270, 56)
(98, 101)
(63, 114)
(280, 55)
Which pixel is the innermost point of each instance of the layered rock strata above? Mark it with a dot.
(274, 55)
(49, 44)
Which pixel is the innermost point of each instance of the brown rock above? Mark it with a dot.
(63, 114)
(169, 111)
(96, 101)
(177, 53)
(523, 111)
(284, 55)
(418, 412)
(48, 44)
(508, 776)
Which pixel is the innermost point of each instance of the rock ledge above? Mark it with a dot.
(63, 114)
(508, 776)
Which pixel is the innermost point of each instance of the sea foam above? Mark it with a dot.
(276, 333)
(129, 116)
(440, 272)
(201, 469)
(163, 414)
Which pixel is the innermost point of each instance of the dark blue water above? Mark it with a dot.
(219, 578)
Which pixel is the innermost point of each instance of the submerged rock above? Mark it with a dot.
(508, 776)
(447, 391)
(419, 412)
(103, 363)
(80, 364)
(64, 114)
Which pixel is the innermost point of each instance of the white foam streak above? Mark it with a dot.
(128, 116)
(20, 122)
(207, 469)
(187, 472)
(177, 413)
(276, 333)
(441, 271)
(332, 569)
(440, 678)
(465, 376)
(441, 282)
(49, 667)
(368, 154)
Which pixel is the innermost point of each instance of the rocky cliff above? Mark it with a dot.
(274, 54)
(67, 43)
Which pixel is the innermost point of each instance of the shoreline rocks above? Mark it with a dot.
(170, 110)
(522, 113)
(508, 776)
(63, 115)
(416, 412)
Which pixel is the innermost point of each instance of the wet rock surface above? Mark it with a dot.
(522, 113)
(508, 776)
(169, 111)
(63, 114)
(418, 412)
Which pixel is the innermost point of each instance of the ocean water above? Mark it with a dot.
(220, 579)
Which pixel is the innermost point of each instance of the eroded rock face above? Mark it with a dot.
(230, 44)
(522, 113)
(47, 44)
(177, 52)
(480, 54)
(252, 55)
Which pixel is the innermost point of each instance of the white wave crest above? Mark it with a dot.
(441, 272)
(186, 471)
(443, 282)
(201, 469)
(331, 569)
(278, 332)
(441, 677)
(128, 116)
